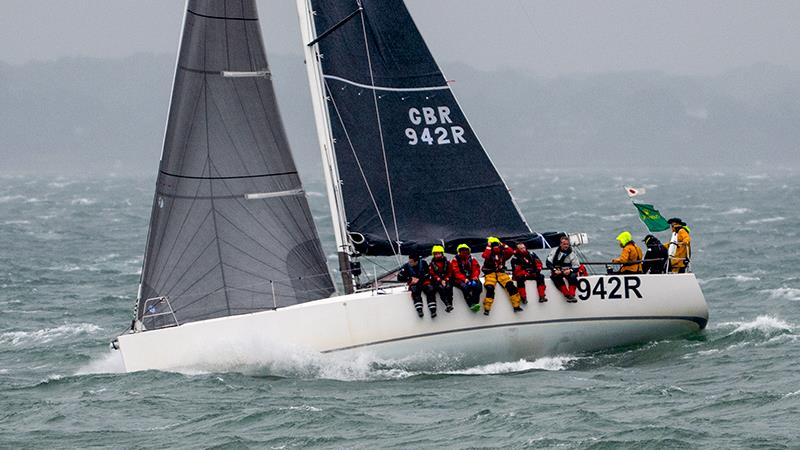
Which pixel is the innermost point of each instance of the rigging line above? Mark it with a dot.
(205, 295)
(380, 133)
(336, 26)
(360, 169)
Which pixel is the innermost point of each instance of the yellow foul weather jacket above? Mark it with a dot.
(630, 252)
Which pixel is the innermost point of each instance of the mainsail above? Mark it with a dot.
(413, 173)
(230, 230)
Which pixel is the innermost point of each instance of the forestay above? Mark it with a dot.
(412, 169)
(230, 230)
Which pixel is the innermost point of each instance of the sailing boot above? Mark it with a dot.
(487, 305)
(523, 296)
(571, 298)
(432, 308)
(515, 300)
(418, 306)
(564, 290)
(542, 297)
(448, 304)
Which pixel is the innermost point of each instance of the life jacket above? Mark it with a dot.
(440, 269)
(560, 257)
(496, 262)
(522, 263)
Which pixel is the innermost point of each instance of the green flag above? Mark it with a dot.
(651, 218)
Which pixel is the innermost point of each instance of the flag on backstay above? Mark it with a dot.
(634, 191)
(651, 218)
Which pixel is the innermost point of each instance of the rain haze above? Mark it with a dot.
(84, 86)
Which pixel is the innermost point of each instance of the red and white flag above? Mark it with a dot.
(633, 191)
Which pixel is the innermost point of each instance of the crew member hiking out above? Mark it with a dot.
(679, 247)
(415, 274)
(655, 258)
(441, 277)
(494, 268)
(630, 257)
(564, 265)
(527, 266)
(466, 276)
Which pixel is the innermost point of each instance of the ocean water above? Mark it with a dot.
(71, 251)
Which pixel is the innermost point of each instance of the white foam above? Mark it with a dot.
(553, 363)
(47, 334)
(11, 198)
(110, 362)
(83, 201)
(766, 220)
(780, 293)
(737, 211)
(763, 324)
(736, 278)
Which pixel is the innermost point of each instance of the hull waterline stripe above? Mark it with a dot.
(228, 178)
(700, 321)
(384, 88)
(219, 17)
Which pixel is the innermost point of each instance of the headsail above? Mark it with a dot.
(230, 230)
(413, 172)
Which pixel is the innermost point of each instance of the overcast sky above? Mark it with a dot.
(543, 37)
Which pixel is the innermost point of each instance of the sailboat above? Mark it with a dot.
(233, 263)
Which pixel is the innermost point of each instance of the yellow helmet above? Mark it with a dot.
(624, 238)
(437, 249)
(463, 247)
(491, 240)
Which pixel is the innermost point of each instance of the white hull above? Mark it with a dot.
(386, 326)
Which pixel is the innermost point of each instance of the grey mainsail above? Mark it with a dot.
(413, 172)
(230, 230)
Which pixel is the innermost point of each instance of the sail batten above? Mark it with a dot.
(231, 231)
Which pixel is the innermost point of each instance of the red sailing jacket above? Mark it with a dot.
(496, 262)
(463, 270)
(440, 270)
(525, 263)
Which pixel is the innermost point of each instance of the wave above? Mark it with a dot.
(552, 363)
(110, 362)
(83, 201)
(780, 293)
(736, 278)
(737, 211)
(766, 325)
(46, 335)
(766, 220)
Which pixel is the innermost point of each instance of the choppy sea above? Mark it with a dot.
(71, 253)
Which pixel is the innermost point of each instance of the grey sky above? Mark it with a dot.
(543, 37)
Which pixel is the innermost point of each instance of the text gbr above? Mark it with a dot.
(610, 288)
(442, 134)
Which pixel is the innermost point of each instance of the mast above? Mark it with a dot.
(332, 180)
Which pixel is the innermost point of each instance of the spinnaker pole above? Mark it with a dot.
(344, 247)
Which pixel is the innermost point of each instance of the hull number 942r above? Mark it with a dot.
(610, 288)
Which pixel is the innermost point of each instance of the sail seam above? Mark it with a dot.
(206, 16)
(386, 88)
(232, 177)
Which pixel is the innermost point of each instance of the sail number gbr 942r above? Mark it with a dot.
(610, 288)
(433, 126)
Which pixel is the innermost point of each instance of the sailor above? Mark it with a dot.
(415, 274)
(527, 266)
(441, 277)
(655, 258)
(630, 257)
(466, 276)
(564, 266)
(494, 268)
(679, 247)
